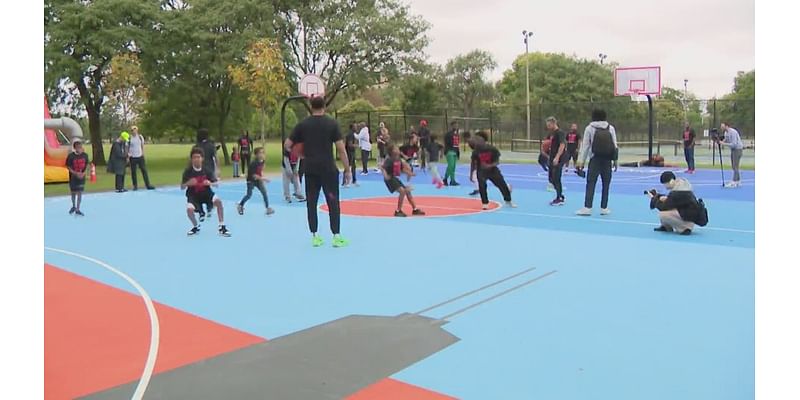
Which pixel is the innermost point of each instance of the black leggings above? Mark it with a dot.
(364, 161)
(602, 168)
(329, 183)
(245, 162)
(259, 184)
(555, 178)
(496, 177)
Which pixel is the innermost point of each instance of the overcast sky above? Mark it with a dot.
(704, 41)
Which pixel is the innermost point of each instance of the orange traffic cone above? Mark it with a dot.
(93, 175)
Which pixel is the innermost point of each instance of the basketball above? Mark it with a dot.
(298, 150)
(546, 146)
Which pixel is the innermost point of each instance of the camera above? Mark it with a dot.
(715, 135)
(651, 192)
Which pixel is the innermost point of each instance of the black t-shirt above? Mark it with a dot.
(556, 139)
(393, 167)
(572, 139)
(351, 142)
(77, 163)
(318, 133)
(451, 141)
(688, 137)
(424, 136)
(209, 155)
(484, 155)
(244, 145)
(433, 149)
(204, 174)
(254, 170)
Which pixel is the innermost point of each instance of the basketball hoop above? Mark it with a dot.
(311, 85)
(635, 96)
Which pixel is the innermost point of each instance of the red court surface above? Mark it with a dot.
(434, 206)
(97, 337)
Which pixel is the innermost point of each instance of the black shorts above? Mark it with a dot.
(198, 199)
(76, 185)
(382, 150)
(393, 184)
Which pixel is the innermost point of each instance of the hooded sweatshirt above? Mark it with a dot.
(680, 198)
(588, 138)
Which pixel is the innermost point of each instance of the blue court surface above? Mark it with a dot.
(629, 313)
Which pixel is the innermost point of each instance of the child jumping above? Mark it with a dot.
(392, 168)
(290, 165)
(235, 157)
(485, 158)
(77, 162)
(198, 181)
(256, 179)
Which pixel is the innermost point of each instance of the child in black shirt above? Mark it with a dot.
(197, 181)
(256, 179)
(77, 162)
(485, 158)
(392, 168)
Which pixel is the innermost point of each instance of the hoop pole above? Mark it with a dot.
(283, 115)
(650, 128)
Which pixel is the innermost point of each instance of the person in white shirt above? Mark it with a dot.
(366, 147)
(136, 157)
(733, 140)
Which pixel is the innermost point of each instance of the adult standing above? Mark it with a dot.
(688, 138)
(556, 155)
(351, 144)
(600, 147)
(366, 147)
(424, 142)
(136, 154)
(573, 143)
(383, 140)
(245, 149)
(118, 161)
(452, 141)
(210, 161)
(733, 140)
(319, 133)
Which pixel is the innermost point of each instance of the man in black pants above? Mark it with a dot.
(485, 158)
(245, 146)
(318, 133)
(557, 156)
(351, 144)
(600, 145)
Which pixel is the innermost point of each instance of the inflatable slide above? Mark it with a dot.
(55, 153)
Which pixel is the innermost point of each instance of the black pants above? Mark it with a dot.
(572, 154)
(258, 184)
(554, 175)
(496, 177)
(139, 162)
(423, 155)
(351, 158)
(119, 181)
(245, 162)
(364, 161)
(329, 183)
(602, 168)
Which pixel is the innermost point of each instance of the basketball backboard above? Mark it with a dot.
(641, 81)
(311, 85)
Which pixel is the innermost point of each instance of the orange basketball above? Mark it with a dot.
(546, 146)
(298, 150)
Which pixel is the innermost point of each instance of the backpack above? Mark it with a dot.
(702, 213)
(603, 143)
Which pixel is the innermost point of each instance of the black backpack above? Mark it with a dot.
(702, 213)
(603, 143)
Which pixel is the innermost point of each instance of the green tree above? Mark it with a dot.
(81, 38)
(125, 87)
(357, 106)
(466, 81)
(263, 76)
(350, 44)
(739, 106)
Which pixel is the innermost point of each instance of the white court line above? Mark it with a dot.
(575, 217)
(152, 353)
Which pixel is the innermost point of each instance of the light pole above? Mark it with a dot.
(602, 57)
(525, 36)
(685, 100)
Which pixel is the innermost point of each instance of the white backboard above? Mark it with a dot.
(311, 85)
(641, 80)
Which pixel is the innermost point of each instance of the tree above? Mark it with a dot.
(263, 76)
(81, 39)
(350, 44)
(465, 77)
(125, 87)
(739, 106)
(356, 106)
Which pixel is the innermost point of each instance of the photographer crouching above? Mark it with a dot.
(679, 210)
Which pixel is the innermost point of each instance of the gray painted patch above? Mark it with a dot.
(328, 361)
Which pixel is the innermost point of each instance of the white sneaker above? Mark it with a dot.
(585, 211)
(511, 204)
(730, 184)
(605, 211)
(346, 186)
(376, 170)
(485, 207)
(550, 187)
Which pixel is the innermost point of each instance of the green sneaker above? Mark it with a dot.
(339, 241)
(317, 241)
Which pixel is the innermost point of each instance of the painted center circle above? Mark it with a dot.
(434, 206)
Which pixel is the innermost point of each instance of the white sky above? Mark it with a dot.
(704, 41)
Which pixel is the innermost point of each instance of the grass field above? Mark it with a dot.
(165, 163)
